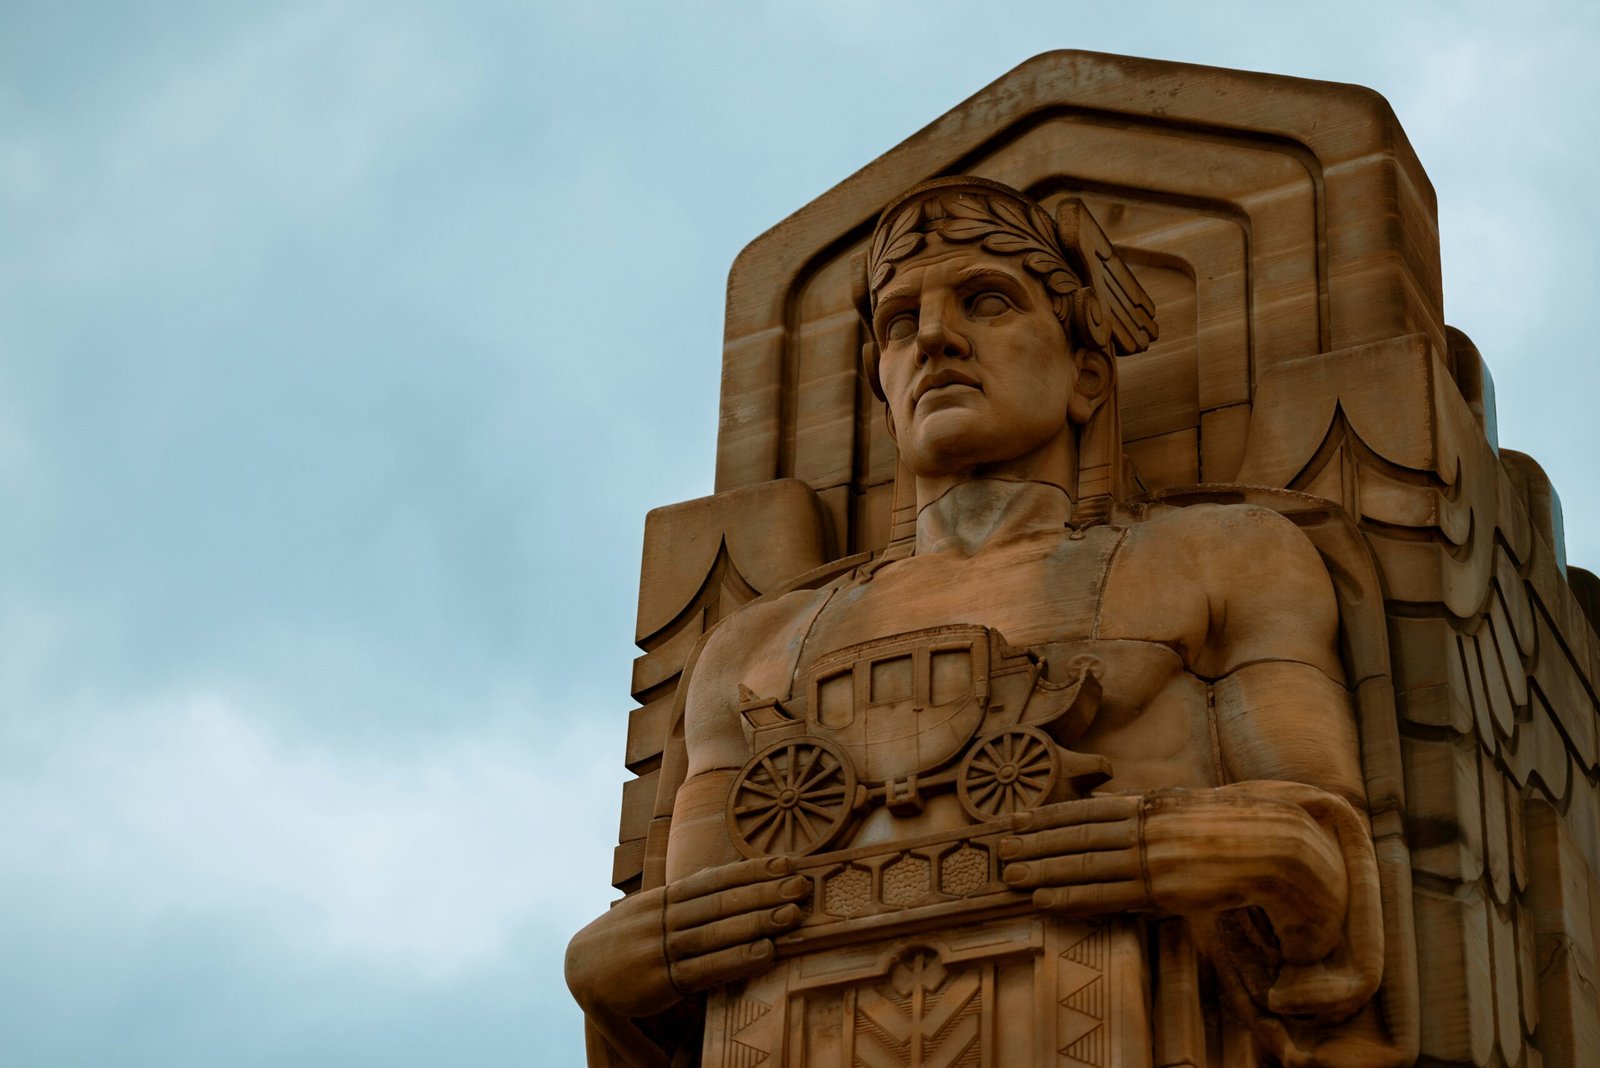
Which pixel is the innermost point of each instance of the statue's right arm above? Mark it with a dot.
(656, 947)
(714, 920)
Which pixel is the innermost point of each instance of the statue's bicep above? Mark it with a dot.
(1291, 722)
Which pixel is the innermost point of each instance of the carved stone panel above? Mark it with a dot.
(1023, 991)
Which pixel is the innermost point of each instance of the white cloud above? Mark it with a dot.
(433, 864)
(289, 118)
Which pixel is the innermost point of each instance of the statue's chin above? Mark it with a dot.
(948, 440)
(951, 443)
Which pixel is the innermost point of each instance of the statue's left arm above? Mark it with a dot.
(1284, 843)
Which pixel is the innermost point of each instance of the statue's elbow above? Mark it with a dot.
(578, 968)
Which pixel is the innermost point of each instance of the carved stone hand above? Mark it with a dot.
(1186, 852)
(658, 946)
(720, 922)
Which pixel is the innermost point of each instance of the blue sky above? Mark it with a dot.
(343, 348)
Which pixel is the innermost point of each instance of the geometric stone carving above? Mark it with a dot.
(1250, 265)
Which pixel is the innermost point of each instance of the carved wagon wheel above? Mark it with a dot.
(1010, 771)
(791, 798)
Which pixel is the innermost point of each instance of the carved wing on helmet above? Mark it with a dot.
(1126, 315)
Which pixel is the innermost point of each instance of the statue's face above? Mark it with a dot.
(976, 368)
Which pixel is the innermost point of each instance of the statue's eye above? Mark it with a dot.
(986, 305)
(901, 327)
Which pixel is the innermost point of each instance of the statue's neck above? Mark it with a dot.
(983, 512)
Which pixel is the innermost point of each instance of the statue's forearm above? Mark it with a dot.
(616, 969)
(1243, 846)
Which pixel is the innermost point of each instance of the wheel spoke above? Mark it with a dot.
(819, 775)
(762, 805)
(762, 820)
(791, 754)
(807, 761)
(776, 776)
(768, 834)
(794, 753)
(805, 823)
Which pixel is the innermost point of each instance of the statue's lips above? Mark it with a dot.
(939, 380)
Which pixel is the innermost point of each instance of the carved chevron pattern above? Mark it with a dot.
(924, 1017)
(1081, 978)
(743, 1056)
(741, 1014)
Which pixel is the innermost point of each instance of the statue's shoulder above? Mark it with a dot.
(1205, 568)
(757, 625)
(762, 638)
(754, 649)
(775, 614)
(1221, 534)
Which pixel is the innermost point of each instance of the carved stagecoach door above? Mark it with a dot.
(1028, 991)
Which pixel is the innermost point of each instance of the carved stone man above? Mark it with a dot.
(1069, 782)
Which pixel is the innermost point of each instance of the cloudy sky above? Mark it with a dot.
(343, 348)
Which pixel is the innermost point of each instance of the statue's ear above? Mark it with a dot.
(1096, 374)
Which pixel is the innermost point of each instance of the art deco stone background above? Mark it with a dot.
(1289, 237)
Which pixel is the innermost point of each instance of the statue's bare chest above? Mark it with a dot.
(982, 679)
(1044, 591)
(1044, 599)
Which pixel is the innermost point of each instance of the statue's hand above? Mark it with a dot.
(720, 922)
(1186, 852)
(652, 949)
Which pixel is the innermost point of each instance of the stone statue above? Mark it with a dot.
(1143, 713)
(1040, 689)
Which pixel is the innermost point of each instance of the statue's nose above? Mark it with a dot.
(936, 336)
